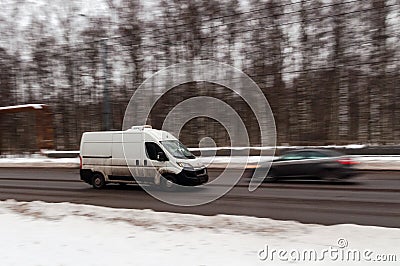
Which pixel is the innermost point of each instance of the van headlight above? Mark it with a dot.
(186, 166)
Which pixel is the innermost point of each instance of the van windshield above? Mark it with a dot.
(177, 149)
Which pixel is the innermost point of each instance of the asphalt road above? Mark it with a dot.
(372, 198)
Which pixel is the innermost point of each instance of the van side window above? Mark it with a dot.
(152, 149)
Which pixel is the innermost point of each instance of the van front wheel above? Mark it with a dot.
(98, 181)
(169, 183)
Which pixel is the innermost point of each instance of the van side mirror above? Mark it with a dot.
(161, 157)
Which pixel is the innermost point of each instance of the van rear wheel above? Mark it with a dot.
(98, 181)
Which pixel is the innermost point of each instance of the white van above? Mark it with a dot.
(150, 154)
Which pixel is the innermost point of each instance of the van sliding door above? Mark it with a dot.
(127, 155)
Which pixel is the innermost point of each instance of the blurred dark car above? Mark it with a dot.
(312, 164)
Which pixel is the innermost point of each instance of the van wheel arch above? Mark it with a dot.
(169, 182)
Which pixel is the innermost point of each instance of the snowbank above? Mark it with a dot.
(38, 233)
(34, 106)
(350, 146)
(39, 161)
(367, 162)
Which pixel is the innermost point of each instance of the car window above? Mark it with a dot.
(315, 155)
(152, 149)
(293, 156)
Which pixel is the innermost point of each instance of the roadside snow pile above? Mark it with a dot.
(37, 160)
(383, 162)
(12, 107)
(233, 161)
(38, 233)
(350, 146)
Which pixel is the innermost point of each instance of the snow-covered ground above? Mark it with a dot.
(374, 162)
(34, 106)
(37, 160)
(37, 233)
(350, 146)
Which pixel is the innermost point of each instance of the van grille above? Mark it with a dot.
(195, 173)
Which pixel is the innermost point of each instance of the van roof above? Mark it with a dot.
(158, 134)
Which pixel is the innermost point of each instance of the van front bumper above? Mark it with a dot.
(193, 178)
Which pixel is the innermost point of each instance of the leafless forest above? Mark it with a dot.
(329, 68)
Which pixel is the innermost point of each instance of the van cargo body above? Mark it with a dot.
(140, 154)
